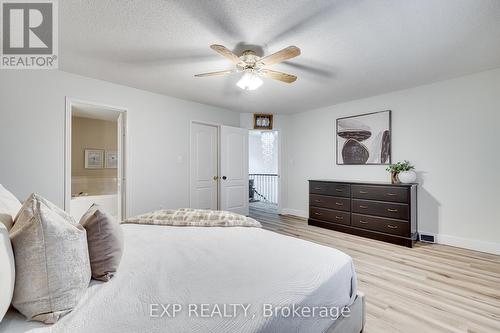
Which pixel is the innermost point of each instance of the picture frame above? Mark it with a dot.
(263, 121)
(364, 139)
(111, 159)
(94, 158)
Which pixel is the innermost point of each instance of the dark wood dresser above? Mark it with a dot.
(380, 211)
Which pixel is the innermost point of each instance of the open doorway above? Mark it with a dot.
(95, 167)
(264, 177)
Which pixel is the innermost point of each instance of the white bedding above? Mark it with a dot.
(214, 265)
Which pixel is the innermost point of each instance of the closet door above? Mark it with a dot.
(204, 166)
(234, 169)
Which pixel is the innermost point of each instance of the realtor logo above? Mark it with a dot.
(29, 34)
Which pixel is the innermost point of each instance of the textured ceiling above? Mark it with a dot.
(350, 48)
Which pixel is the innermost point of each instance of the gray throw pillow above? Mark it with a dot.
(51, 258)
(105, 242)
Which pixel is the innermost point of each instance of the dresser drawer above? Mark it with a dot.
(330, 202)
(389, 226)
(382, 193)
(378, 208)
(336, 189)
(330, 215)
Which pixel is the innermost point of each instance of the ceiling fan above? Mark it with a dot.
(254, 66)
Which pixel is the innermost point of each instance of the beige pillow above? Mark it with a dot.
(105, 241)
(52, 261)
(7, 271)
(9, 207)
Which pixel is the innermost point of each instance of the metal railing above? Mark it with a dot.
(263, 187)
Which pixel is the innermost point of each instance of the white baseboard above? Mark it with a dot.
(466, 243)
(471, 244)
(295, 212)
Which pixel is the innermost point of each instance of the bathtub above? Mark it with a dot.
(79, 205)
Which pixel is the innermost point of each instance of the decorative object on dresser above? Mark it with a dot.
(364, 139)
(402, 172)
(381, 211)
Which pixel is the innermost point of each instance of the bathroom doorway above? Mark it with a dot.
(95, 158)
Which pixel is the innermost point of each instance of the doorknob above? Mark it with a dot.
(215, 177)
(224, 177)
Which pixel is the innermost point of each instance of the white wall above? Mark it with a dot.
(257, 161)
(32, 118)
(449, 130)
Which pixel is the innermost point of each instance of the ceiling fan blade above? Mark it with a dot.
(220, 73)
(285, 54)
(288, 78)
(225, 52)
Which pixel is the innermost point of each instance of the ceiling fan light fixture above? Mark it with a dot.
(249, 81)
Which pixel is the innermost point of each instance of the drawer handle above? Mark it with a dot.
(390, 226)
(363, 207)
(339, 217)
(339, 203)
(317, 200)
(318, 214)
(390, 210)
(363, 192)
(391, 194)
(339, 190)
(363, 222)
(318, 188)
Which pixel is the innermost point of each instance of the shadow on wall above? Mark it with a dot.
(428, 209)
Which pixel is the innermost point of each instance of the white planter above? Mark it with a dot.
(407, 177)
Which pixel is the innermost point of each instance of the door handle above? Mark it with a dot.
(215, 178)
(224, 177)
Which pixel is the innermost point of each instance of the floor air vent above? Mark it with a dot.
(427, 238)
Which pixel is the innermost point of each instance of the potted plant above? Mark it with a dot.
(402, 172)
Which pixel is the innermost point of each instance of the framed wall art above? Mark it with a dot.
(111, 159)
(263, 121)
(364, 139)
(94, 158)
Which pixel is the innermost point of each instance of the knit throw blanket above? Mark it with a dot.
(194, 218)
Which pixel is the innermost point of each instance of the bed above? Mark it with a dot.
(224, 268)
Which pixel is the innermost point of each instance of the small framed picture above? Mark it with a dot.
(263, 121)
(94, 159)
(111, 159)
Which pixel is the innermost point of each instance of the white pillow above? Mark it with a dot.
(51, 258)
(7, 267)
(9, 207)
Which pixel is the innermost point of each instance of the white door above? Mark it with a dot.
(234, 170)
(204, 166)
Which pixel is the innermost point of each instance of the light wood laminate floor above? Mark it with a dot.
(429, 288)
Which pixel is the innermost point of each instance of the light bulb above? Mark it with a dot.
(249, 81)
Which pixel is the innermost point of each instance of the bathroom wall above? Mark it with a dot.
(92, 134)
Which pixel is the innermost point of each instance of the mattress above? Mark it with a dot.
(211, 279)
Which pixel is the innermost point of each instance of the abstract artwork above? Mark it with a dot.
(364, 139)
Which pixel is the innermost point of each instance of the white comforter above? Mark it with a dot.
(193, 265)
